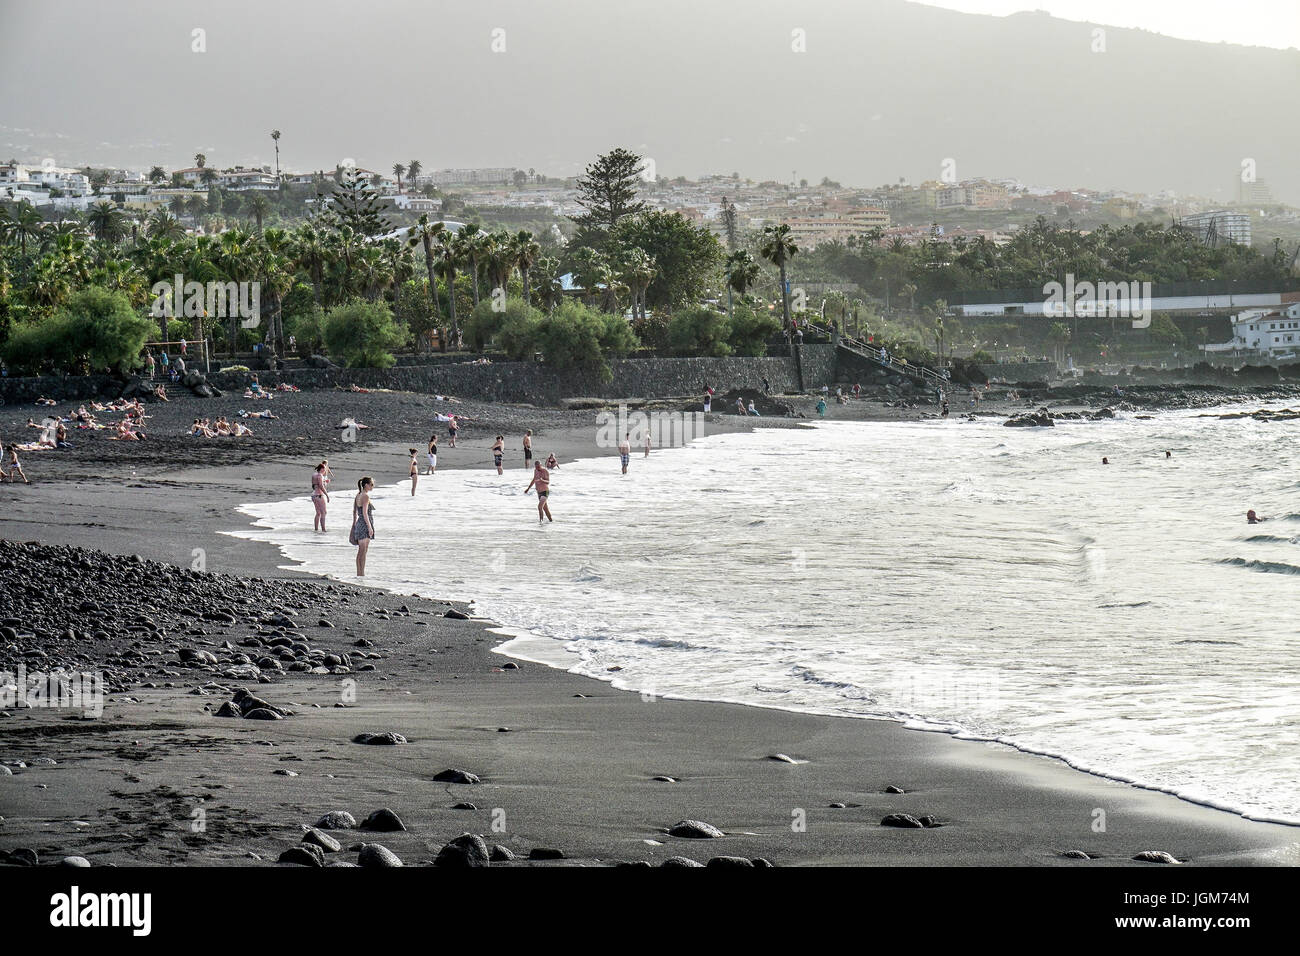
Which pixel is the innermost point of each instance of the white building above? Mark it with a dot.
(1270, 334)
(1219, 224)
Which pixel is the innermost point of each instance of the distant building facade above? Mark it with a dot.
(1218, 226)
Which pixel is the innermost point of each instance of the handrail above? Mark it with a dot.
(875, 354)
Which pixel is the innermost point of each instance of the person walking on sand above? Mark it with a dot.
(528, 447)
(498, 452)
(708, 400)
(452, 428)
(646, 444)
(15, 466)
(363, 523)
(432, 453)
(821, 407)
(414, 471)
(542, 479)
(625, 450)
(319, 496)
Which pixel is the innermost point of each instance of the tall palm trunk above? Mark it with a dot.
(785, 296)
(451, 305)
(528, 298)
(473, 264)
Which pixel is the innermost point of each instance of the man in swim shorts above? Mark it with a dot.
(625, 450)
(542, 479)
(528, 447)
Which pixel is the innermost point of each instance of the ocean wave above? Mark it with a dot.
(1267, 567)
(1275, 539)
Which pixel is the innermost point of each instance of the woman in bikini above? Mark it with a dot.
(319, 496)
(498, 452)
(363, 523)
(433, 453)
(414, 471)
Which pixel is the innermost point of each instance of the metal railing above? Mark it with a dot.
(920, 373)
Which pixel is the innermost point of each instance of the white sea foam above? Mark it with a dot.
(996, 583)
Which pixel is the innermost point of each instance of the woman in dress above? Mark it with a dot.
(363, 523)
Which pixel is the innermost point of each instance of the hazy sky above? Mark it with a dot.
(1273, 23)
(861, 91)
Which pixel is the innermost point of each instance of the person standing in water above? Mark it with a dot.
(542, 479)
(528, 447)
(319, 496)
(363, 522)
(625, 450)
(498, 452)
(414, 471)
(433, 453)
(452, 428)
(646, 444)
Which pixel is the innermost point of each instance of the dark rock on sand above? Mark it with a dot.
(463, 806)
(75, 862)
(892, 789)
(903, 820)
(383, 821)
(664, 778)
(456, 615)
(761, 863)
(261, 713)
(1155, 856)
(456, 776)
(730, 863)
(387, 738)
(377, 855)
(501, 854)
(1076, 855)
(337, 820)
(545, 853)
(680, 862)
(781, 758)
(23, 856)
(695, 830)
(467, 850)
(322, 840)
(308, 854)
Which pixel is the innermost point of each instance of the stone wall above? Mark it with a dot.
(521, 382)
(535, 383)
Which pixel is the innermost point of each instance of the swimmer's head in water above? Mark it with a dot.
(1105, 461)
(1251, 516)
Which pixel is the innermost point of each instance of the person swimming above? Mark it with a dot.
(1252, 518)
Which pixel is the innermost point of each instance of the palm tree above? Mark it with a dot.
(637, 270)
(23, 224)
(106, 222)
(778, 248)
(425, 233)
(257, 207)
(310, 253)
(398, 169)
(471, 240)
(208, 177)
(163, 224)
(157, 174)
(549, 290)
(741, 272)
(275, 135)
(413, 169)
(447, 260)
(200, 160)
(527, 250)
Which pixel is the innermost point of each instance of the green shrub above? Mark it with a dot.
(484, 327)
(699, 331)
(307, 329)
(751, 329)
(361, 334)
(97, 330)
(571, 339)
(651, 331)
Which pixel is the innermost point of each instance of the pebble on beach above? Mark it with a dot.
(384, 821)
(1155, 856)
(696, 830)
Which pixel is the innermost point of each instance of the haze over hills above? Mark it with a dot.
(886, 89)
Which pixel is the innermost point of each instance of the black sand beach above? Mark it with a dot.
(563, 762)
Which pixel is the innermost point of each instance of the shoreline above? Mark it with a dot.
(1000, 804)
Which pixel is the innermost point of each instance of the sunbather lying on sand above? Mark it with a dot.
(264, 413)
